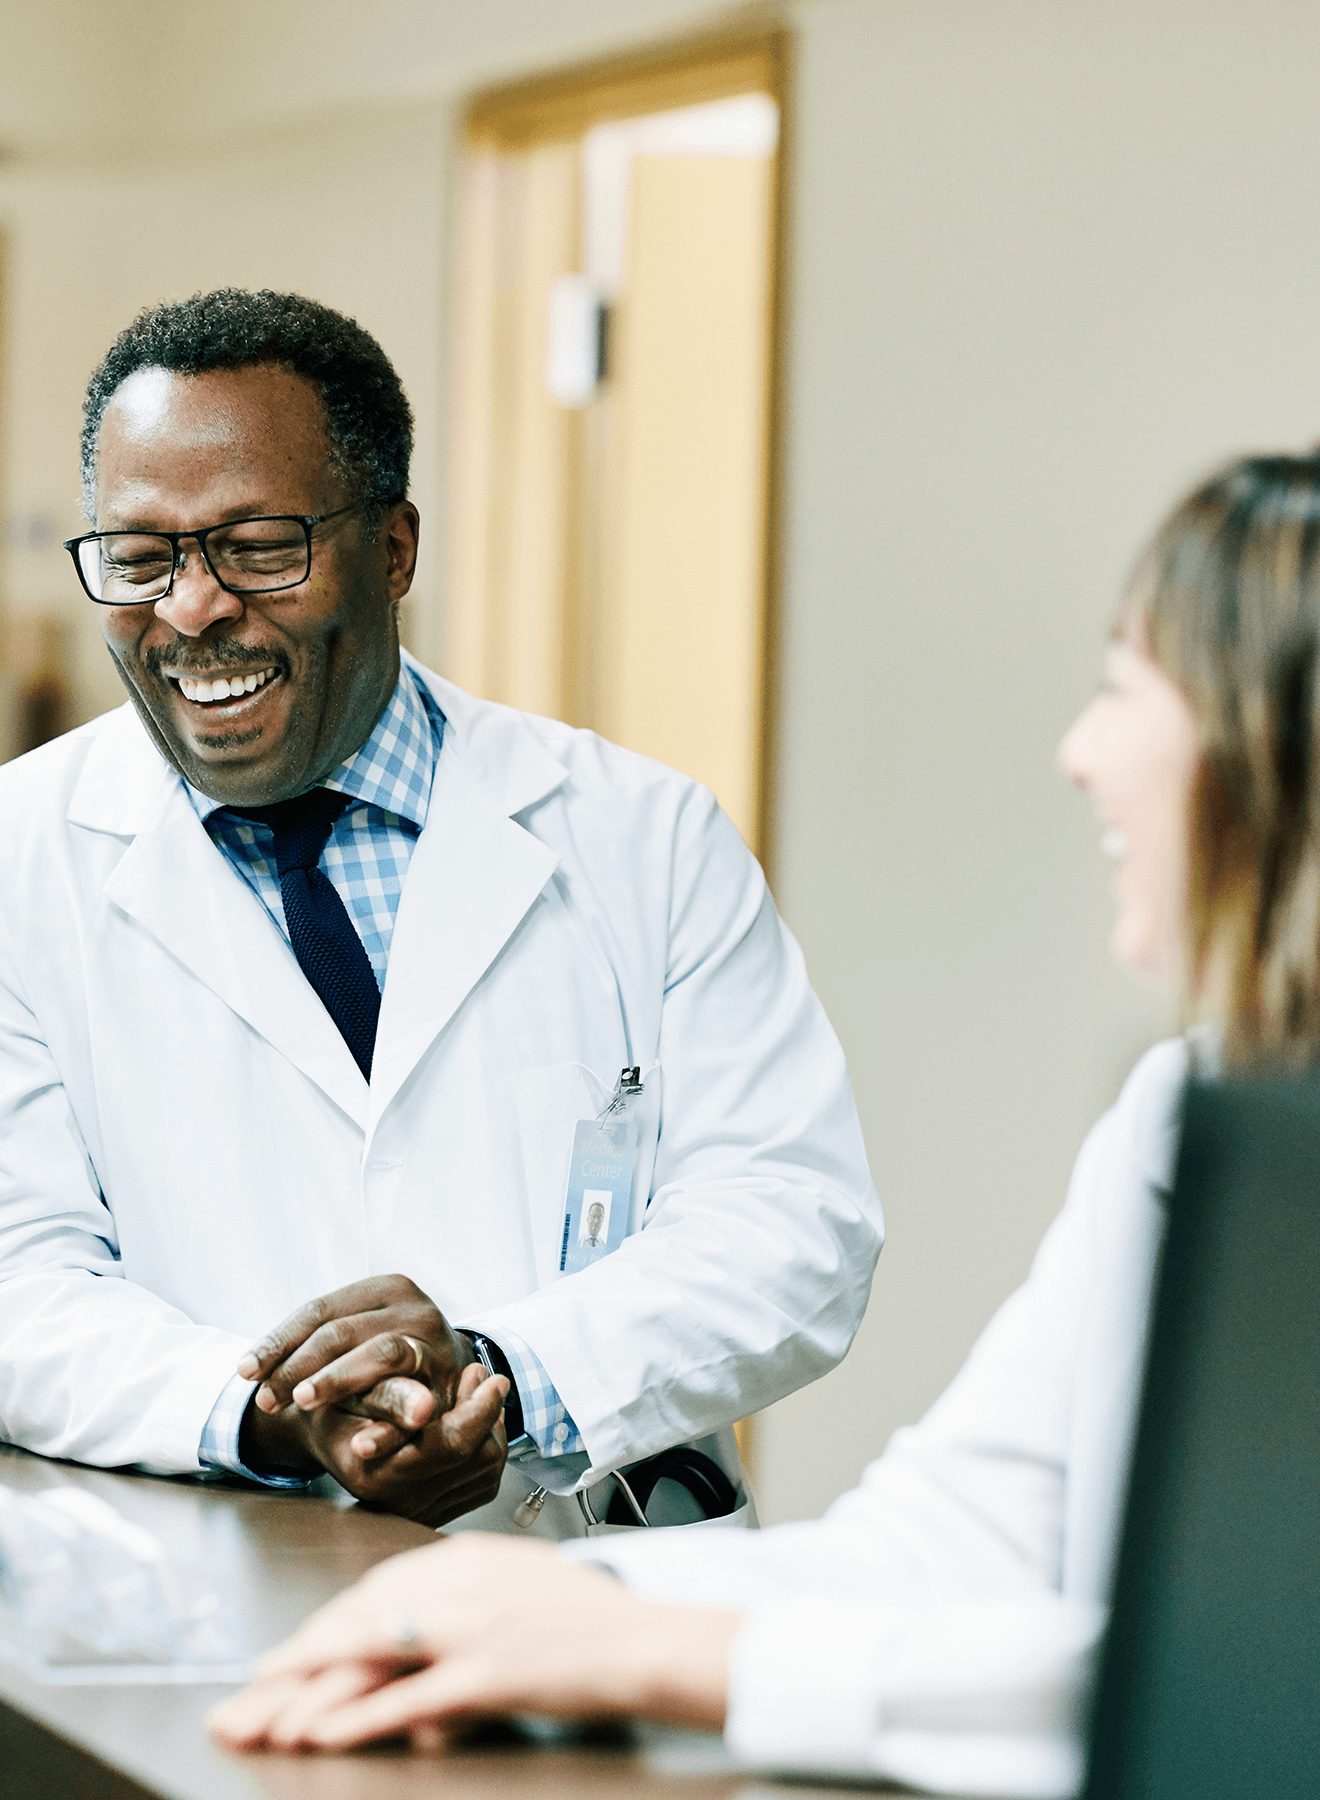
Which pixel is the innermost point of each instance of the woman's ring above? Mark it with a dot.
(417, 1354)
(399, 1626)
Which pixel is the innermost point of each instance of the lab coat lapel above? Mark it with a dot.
(472, 878)
(175, 883)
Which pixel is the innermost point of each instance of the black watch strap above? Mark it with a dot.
(498, 1364)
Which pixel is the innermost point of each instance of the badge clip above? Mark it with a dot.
(600, 1177)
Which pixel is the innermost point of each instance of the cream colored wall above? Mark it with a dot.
(1048, 261)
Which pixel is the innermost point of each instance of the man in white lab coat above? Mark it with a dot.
(313, 968)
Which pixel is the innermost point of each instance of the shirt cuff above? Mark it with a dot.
(218, 1448)
(546, 1419)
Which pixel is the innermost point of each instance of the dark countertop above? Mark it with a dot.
(280, 1556)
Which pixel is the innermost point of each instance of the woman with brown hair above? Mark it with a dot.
(938, 1625)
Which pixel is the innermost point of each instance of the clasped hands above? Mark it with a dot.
(374, 1385)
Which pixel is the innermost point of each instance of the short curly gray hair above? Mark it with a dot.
(368, 420)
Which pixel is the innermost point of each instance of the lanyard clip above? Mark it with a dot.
(626, 1090)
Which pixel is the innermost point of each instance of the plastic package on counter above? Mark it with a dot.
(88, 1597)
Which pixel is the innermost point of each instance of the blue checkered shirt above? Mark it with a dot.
(366, 858)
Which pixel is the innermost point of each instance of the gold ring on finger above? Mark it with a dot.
(417, 1354)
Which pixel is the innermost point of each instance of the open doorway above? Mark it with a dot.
(613, 469)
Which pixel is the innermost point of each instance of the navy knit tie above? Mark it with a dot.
(329, 950)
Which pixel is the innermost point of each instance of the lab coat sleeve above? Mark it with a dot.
(983, 1697)
(66, 1313)
(920, 1630)
(963, 1506)
(916, 1632)
(753, 1267)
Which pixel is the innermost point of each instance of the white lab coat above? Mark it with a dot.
(188, 1150)
(938, 1625)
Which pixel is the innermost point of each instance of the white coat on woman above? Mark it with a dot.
(938, 1624)
(188, 1150)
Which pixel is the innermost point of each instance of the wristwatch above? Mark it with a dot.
(521, 1442)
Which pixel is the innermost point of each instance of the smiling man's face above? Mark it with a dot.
(317, 662)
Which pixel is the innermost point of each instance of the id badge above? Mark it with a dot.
(600, 1180)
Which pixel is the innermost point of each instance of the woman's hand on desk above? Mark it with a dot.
(497, 1626)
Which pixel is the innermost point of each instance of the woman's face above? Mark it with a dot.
(1134, 750)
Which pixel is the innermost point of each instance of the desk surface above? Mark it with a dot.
(281, 1556)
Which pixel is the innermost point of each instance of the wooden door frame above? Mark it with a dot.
(566, 104)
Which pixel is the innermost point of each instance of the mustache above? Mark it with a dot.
(222, 657)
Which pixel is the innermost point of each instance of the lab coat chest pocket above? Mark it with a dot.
(550, 1103)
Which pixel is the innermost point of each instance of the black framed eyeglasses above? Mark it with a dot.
(246, 556)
